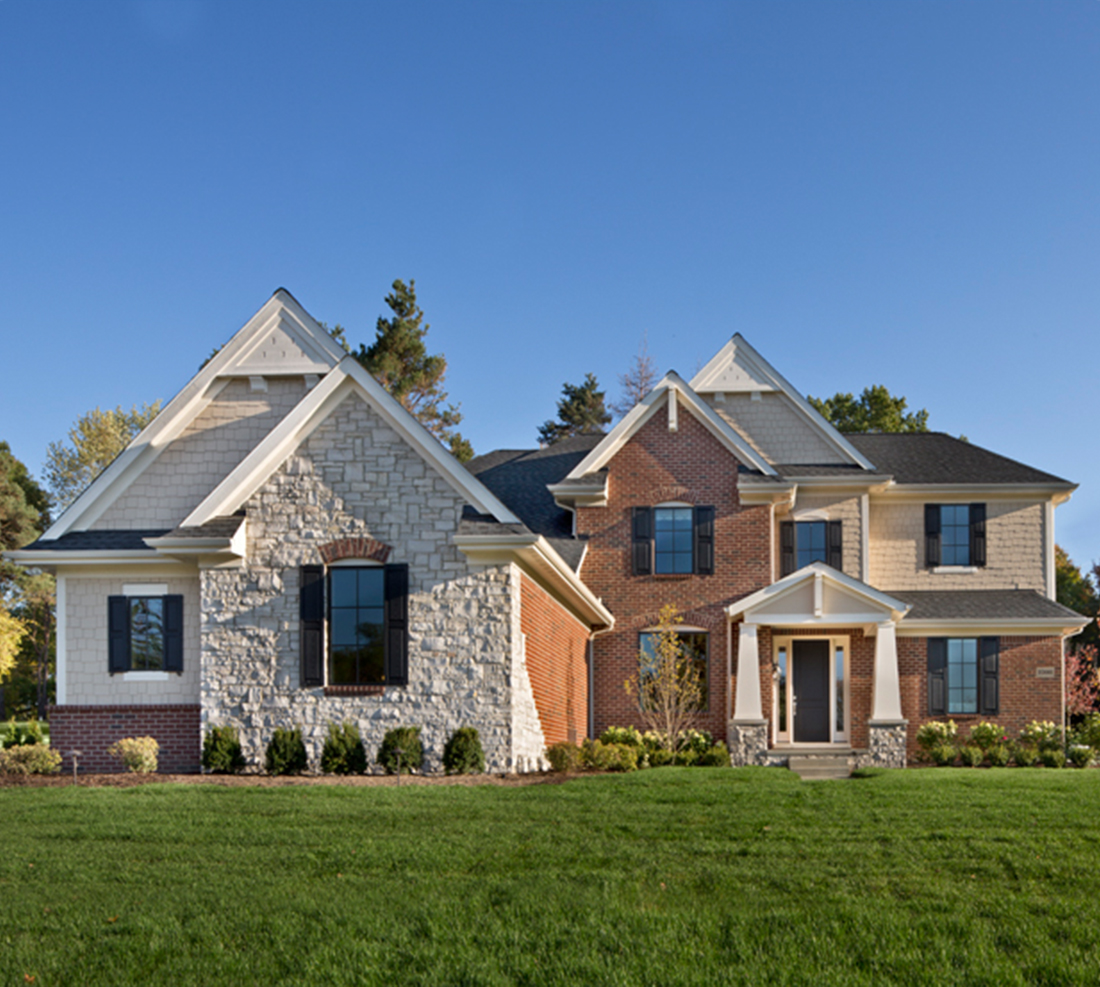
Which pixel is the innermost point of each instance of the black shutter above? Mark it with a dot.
(786, 548)
(311, 612)
(977, 534)
(704, 540)
(836, 545)
(173, 633)
(937, 676)
(118, 634)
(397, 624)
(989, 660)
(642, 540)
(931, 534)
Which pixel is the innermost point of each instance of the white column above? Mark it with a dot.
(747, 705)
(62, 643)
(887, 704)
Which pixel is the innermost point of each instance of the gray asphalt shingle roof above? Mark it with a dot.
(96, 541)
(981, 604)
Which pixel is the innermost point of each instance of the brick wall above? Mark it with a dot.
(92, 729)
(1023, 696)
(657, 466)
(556, 646)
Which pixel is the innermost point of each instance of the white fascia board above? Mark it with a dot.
(780, 494)
(992, 628)
(645, 409)
(961, 493)
(347, 378)
(51, 559)
(883, 602)
(195, 395)
(761, 368)
(536, 556)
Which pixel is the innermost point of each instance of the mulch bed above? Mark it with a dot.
(128, 780)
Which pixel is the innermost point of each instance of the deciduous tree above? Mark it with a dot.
(875, 410)
(1077, 591)
(581, 411)
(637, 382)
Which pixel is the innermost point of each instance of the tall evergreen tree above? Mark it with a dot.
(399, 360)
(581, 411)
(876, 410)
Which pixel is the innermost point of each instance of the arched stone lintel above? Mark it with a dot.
(355, 548)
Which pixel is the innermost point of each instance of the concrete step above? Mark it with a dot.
(813, 767)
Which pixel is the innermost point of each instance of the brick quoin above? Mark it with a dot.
(556, 647)
(92, 729)
(657, 466)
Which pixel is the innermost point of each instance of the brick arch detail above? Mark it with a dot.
(355, 548)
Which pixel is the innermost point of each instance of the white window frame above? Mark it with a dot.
(837, 642)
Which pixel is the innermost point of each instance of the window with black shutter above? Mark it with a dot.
(954, 535)
(963, 676)
(672, 539)
(804, 542)
(145, 633)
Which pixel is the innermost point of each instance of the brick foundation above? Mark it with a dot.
(92, 729)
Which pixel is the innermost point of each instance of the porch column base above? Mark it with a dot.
(748, 742)
(885, 744)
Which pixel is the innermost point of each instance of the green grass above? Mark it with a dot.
(684, 876)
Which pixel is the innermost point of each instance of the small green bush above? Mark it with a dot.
(463, 754)
(971, 755)
(137, 754)
(655, 740)
(597, 756)
(412, 751)
(622, 735)
(686, 757)
(1042, 735)
(221, 751)
(936, 733)
(286, 753)
(343, 753)
(29, 759)
(717, 757)
(659, 757)
(564, 757)
(1025, 757)
(943, 755)
(623, 757)
(1088, 732)
(696, 741)
(1053, 757)
(1080, 755)
(999, 755)
(986, 735)
(23, 734)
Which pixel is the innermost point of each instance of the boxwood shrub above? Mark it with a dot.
(286, 753)
(462, 754)
(343, 753)
(412, 751)
(564, 757)
(221, 751)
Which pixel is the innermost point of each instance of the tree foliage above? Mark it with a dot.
(94, 441)
(1082, 682)
(11, 636)
(637, 382)
(875, 410)
(398, 358)
(1077, 591)
(581, 411)
(23, 504)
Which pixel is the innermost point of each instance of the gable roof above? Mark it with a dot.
(670, 387)
(737, 367)
(281, 338)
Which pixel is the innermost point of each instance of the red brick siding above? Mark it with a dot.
(1023, 696)
(656, 466)
(92, 729)
(556, 647)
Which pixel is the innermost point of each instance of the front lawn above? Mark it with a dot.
(669, 876)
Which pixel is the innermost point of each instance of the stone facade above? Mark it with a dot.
(748, 744)
(355, 478)
(886, 746)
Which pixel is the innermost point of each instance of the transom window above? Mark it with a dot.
(356, 625)
(954, 534)
(962, 675)
(694, 646)
(674, 534)
(810, 542)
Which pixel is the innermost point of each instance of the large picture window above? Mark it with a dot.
(356, 642)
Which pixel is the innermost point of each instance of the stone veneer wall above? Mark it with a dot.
(355, 477)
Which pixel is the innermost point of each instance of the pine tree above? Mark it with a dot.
(399, 360)
(581, 411)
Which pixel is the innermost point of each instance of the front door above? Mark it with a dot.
(810, 687)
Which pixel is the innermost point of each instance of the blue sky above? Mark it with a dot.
(898, 193)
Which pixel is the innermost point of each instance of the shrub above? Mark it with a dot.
(971, 755)
(1088, 731)
(1052, 757)
(943, 755)
(1042, 735)
(597, 756)
(986, 735)
(286, 754)
(936, 733)
(137, 754)
(412, 751)
(23, 734)
(1080, 755)
(717, 757)
(343, 753)
(660, 757)
(696, 741)
(1025, 757)
(622, 757)
(564, 756)
(999, 755)
(655, 740)
(630, 736)
(686, 757)
(30, 759)
(463, 754)
(221, 751)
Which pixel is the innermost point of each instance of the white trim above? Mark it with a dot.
(840, 738)
(993, 628)
(673, 413)
(144, 589)
(738, 350)
(354, 564)
(686, 628)
(810, 515)
(1048, 551)
(747, 706)
(966, 493)
(611, 443)
(279, 444)
(865, 538)
(958, 570)
(61, 646)
(143, 676)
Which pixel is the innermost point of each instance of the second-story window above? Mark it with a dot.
(803, 542)
(672, 539)
(674, 535)
(954, 534)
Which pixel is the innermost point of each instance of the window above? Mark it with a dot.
(803, 542)
(145, 633)
(954, 534)
(694, 646)
(672, 539)
(963, 675)
(354, 625)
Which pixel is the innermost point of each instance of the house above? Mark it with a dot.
(285, 546)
